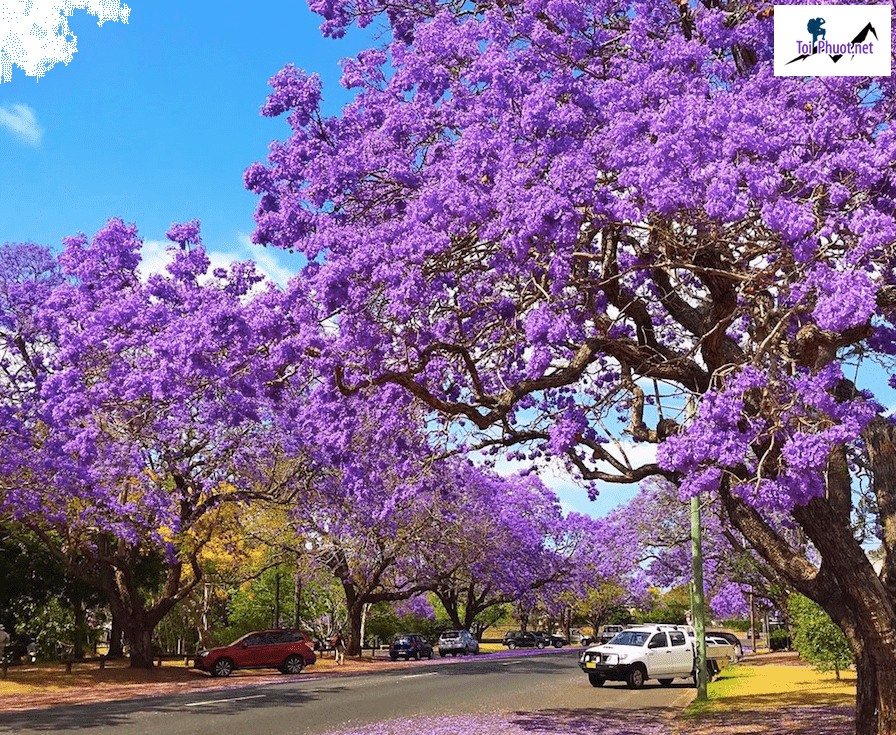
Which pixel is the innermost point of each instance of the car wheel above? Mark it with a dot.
(394, 658)
(416, 655)
(222, 667)
(293, 665)
(540, 644)
(636, 678)
(442, 654)
(558, 644)
(666, 682)
(430, 654)
(596, 680)
(511, 645)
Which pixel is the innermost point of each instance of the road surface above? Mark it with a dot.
(306, 706)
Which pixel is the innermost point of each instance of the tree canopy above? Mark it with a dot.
(535, 211)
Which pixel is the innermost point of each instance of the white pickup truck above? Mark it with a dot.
(662, 652)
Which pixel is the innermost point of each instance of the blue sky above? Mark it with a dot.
(154, 121)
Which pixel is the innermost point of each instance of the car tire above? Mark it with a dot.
(394, 658)
(540, 644)
(596, 680)
(666, 682)
(430, 654)
(558, 645)
(223, 667)
(511, 645)
(293, 665)
(636, 677)
(416, 655)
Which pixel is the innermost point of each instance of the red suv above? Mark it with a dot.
(287, 650)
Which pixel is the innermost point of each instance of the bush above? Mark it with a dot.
(741, 626)
(778, 640)
(819, 641)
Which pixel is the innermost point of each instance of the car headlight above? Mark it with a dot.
(202, 654)
(612, 659)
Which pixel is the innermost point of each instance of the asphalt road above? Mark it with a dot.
(304, 706)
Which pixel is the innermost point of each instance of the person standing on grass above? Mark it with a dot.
(4, 639)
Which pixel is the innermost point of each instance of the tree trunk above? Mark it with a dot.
(846, 587)
(116, 644)
(875, 691)
(80, 633)
(355, 615)
(139, 637)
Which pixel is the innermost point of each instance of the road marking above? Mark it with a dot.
(510, 663)
(417, 676)
(219, 701)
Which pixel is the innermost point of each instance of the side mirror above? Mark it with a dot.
(244, 645)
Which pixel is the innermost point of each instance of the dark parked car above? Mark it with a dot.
(552, 639)
(287, 650)
(410, 645)
(517, 639)
(457, 642)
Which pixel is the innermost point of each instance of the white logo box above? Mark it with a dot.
(796, 56)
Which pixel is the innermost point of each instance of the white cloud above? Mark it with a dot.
(266, 261)
(155, 257)
(21, 121)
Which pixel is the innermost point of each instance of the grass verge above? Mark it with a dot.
(754, 698)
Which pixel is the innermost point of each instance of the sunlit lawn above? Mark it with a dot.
(796, 700)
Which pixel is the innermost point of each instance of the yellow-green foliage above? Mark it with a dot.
(819, 641)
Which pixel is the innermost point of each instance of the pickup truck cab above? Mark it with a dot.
(662, 652)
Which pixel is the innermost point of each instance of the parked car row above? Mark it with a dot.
(291, 650)
(533, 639)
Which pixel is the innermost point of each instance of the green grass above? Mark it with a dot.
(743, 687)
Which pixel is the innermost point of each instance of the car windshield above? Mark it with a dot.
(451, 634)
(629, 638)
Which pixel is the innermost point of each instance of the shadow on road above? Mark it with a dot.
(122, 712)
(593, 720)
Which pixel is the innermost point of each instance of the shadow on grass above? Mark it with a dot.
(819, 719)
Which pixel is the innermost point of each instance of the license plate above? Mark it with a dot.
(590, 665)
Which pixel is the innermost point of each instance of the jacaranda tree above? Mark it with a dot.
(131, 411)
(535, 210)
